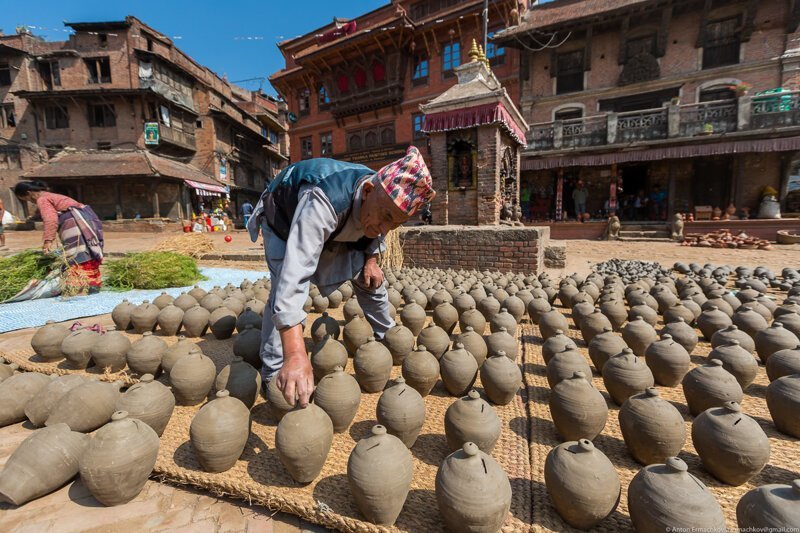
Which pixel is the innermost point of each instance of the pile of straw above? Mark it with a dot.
(192, 244)
(393, 257)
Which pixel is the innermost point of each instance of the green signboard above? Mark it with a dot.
(151, 133)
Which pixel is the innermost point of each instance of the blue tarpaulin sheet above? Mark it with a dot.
(35, 313)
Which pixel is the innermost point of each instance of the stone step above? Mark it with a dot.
(644, 234)
(645, 239)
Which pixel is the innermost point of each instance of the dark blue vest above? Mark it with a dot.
(337, 179)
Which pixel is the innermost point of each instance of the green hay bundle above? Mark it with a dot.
(18, 270)
(152, 270)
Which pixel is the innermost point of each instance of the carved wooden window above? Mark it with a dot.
(5, 75)
(50, 73)
(304, 102)
(378, 72)
(717, 93)
(494, 52)
(569, 72)
(343, 83)
(56, 117)
(306, 148)
(99, 69)
(451, 57)
(416, 125)
(354, 142)
(570, 113)
(640, 45)
(324, 99)
(419, 74)
(360, 77)
(7, 117)
(387, 135)
(102, 116)
(721, 43)
(371, 137)
(326, 144)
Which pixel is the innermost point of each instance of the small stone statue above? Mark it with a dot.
(677, 227)
(612, 230)
(506, 212)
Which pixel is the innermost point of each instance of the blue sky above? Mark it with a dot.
(232, 37)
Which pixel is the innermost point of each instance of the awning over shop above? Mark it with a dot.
(204, 189)
(470, 117)
(623, 155)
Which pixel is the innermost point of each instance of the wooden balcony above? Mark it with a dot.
(386, 95)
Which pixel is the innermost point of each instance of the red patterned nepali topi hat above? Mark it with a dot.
(407, 181)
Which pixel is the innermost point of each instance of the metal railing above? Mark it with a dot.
(775, 110)
(644, 125)
(586, 131)
(718, 116)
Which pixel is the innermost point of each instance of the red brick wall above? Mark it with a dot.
(504, 248)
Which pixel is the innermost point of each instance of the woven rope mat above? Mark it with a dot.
(783, 467)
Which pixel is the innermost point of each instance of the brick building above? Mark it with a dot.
(659, 98)
(354, 87)
(121, 119)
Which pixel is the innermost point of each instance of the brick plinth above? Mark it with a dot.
(503, 248)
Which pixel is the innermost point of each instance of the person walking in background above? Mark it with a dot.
(5, 218)
(525, 201)
(640, 205)
(247, 211)
(579, 195)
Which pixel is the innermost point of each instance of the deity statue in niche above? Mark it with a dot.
(462, 157)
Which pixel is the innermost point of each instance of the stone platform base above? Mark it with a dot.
(504, 248)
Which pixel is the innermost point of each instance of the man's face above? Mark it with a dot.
(379, 214)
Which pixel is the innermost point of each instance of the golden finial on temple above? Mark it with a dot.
(474, 52)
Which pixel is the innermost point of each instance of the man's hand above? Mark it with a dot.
(373, 275)
(296, 377)
(47, 247)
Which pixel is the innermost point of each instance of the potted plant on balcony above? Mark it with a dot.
(708, 128)
(741, 89)
(675, 100)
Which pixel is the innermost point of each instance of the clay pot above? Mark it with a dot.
(709, 386)
(6, 371)
(15, 393)
(783, 363)
(276, 402)
(582, 483)
(594, 324)
(652, 427)
(175, 352)
(40, 406)
(324, 325)
(471, 419)
(737, 361)
(676, 311)
(400, 341)
(47, 340)
(241, 380)
(668, 361)
(119, 459)
(379, 471)
(121, 315)
(170, 319)
(42, 463)
(219, 432)
(514, 305)
(144, 356)
(474, 344)
(749, 321)
(373, 365)
(195, 321)
(556, 344)
(222, 322)
(501, 379)
(247, 345)
(732, 446)
(236, 305)
(773, 339)
(579, 411)
(489, 307)
(537, 307)
(602, 347)
(211, 301)
(503, 320)
(638, 335)
(110, 351)
(356, 332)
(144, 317)
(783, 402)
(580, 311)
(77, 347)
(770, 508)
(163, 300)
(472, 490)
(563, 365)
(303, 440)
(334, 299)
(187, 300)
(445, 316)
(149, 401)
(474, 319)
(421, 370)
(339, 395)
(458, 369)
(401, 410)
(351, 309)
(435, 339)
(252, 316)
(551, 323)
(191, 378)
(648, 314)
(413, 317)
(667, 497)
(731, 333)
(87, 406)
(682, 333)
(326, 356)
(625, 375)
(616, 313)
(712, 320)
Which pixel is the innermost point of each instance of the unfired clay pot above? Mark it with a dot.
(413, 317)
(625, 375)
(119, 459)
(435, 339)
(682, 333)
(351, 309)
(737, 361)
(421, 370)
(445, 315)
(15, 393)
(87, 406)
(211, 301)
(339, 395)
(247, 345)
(733, 333)
(665, 497)
(668, 361)
(501, 378)
(579, 411)
(234, 304)
(170, 319)
(303, 440)
(473, 491)
(458, 370)
(251, 315)
(563, 365)
(325, 325)
(551, 322)
(222, 323)
(594, 324)
(163, 300)
(373, 365)
(774, 339)
(187, 300)
(144, 356)
(175, 352)
(783, 363)
(474, 344)
(712, 320)
(379, 472)
(582, 483)
(326, 356)
(241, 380)
(195, 320)
(502, 341)
(77, 347)
(43, 462)
(400, 341)
(537, 307)
(401, 410)
(489, 307)
(770, 507)
(783, 401)
(144, 317)
(471, 419)
(191, 378)
(110, 351)
(474, 319)
(639, 335)
(149, 401)
(652, 427)
(709, 386)
(504, 320)
(46, 342)
(558, 343)
(732, 446)
(39, 408)
(121, 315)
(7, 370)
(219, 432)
(355, 334)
